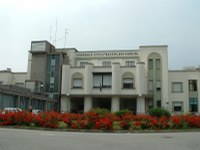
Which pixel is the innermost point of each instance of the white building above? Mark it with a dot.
(114, 79)
(118, 79)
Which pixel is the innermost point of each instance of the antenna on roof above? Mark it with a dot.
(56, 29)
(65, 36)
(50, 36)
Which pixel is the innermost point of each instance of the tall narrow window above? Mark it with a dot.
(150, 63)
(193, 105)
(158, 85)
(157, 63)
(192, 85)
(150, 85)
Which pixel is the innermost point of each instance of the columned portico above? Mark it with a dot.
(140, 105)
(65, 104)
(115, 104)
(87, 103)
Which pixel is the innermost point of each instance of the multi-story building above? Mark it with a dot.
(184, 90)
(114, 79)
(119, 79)
(15, 92)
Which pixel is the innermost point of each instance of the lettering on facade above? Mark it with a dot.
(107, 54)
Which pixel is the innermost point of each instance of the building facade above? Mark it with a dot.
(137, 79)
(120, 79)
(15, 92)
(184, 92)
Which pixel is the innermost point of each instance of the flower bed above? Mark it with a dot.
(92, 120)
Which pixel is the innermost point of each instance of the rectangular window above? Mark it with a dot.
(158, 85)
(82, 64)
(52, 74)
(106, 63)
(130, 63)
(102, 80)
(157, 63)
(128, 83)
(52, 69)
(192, 85)
(19, 84)
(177, 87)
(97, 80)
(107, 80)
(53, 62)
(51, 79)
(150, 85)
(159, 103)
(193, 104)
(177, 106)
(150, 63)
(77, 83)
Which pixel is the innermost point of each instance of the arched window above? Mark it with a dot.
(77, 80)
(128, 81)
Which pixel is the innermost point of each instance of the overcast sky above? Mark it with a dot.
(100, 24)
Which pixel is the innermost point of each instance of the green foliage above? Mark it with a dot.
(122, 112)
(101, 111)
(159, 112)
(116, 125)
(62, 124)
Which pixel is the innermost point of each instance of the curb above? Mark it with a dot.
(102, 131)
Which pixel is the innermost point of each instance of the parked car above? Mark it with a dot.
(12, 109)
(36, 111)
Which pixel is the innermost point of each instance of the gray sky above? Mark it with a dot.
(100, 24)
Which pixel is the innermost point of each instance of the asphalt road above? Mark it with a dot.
(20, 139)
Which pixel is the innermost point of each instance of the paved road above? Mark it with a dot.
(19, 139)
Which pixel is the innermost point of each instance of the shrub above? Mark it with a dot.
(62, 124)
(122, 112)
(101, 111)
(159, 112)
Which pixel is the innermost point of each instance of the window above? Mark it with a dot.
(128, 80)
(51, 79)
(52, 69)
(158, 85)
(102, 80)
(82, 64)
(150, 85)
(128, 83)
(77, 83)
(177, 106)
(157, 63)
(19, 84)
(159, 103)
(177, 87)
(106, 63)
(52, 74)
(53, 62)
(150, 63)
(77, 80)
(130, 63)
(192, 85)
(193, 105)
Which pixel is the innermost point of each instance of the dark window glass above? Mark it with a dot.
(192, 85)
